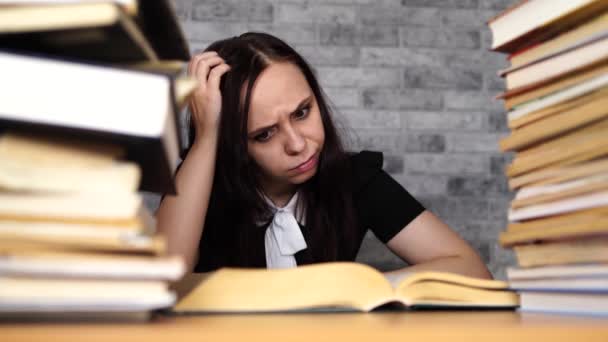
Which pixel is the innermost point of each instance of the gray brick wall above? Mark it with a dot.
(411, 78)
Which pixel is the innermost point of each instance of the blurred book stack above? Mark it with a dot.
(89, 97)
(556, 99)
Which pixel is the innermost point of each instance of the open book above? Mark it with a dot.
(340, 285)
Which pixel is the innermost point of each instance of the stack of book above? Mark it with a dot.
(557, 102)
(88, 117)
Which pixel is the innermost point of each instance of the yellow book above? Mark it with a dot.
(556, 123)
(571, 225)
(53, 163)
(579, 251)
(560, 174)
(585, 30)
(334, 286)
(517, 97)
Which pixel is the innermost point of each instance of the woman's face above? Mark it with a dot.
(284, 131)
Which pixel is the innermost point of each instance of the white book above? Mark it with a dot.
(133, 108)
(560, 96)
(558, 207)
(562, 271)
(564, 303)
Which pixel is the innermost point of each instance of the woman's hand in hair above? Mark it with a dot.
(206, 101)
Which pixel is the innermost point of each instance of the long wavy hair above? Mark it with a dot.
(236, 203)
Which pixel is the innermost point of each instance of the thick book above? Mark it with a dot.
(23, 294)
(49, 163)
(48, 264)
(565, 40)
(560, 271)
(64, 229)
(584, 250)
(339, 286)
(584, 144)
(565, 303)
(563, 206)
(578, 224)
(99, 31)
(560, 174)
(517, 97)
(555, 102)
(591, 53)
(537, 194)
(131, 108)
(587, 111)
(531, 21)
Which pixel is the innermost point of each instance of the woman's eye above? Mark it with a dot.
(264, 136)
(302, 113)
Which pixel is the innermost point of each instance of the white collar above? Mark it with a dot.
(283, 238)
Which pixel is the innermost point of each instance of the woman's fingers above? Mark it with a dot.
(204, 66)
(194, 61)
(216, 74)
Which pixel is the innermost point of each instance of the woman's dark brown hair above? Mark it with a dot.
(236, 204)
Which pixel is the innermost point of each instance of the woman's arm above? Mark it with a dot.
(429, 244)
(181, 217)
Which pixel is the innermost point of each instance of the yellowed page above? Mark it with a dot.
(344, 285)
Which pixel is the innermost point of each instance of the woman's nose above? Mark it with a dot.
(295, 142)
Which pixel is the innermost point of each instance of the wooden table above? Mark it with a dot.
(380, 326)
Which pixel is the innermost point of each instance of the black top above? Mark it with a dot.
(381, 205)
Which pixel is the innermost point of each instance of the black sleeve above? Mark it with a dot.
(382, 204)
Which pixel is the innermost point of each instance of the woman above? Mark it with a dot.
(266, 182)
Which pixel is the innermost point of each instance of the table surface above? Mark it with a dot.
(383, 326)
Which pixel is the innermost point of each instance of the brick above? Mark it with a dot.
(464, 17)
(212, 31)
(453, 163)
(330, 55)
(435, 204)
(262, 11)
(449, 209)
(472, 142)
(424, 142)
(439, 38)
(442, 77)
(462, 121)
(183, 9)
(343, 97)
(495, 4)
(401, 99)
(467, 100)
(373, 56)
(349, 2)
(307, 13)
(373, 119)
(468, 207)
(358, 77)
(476, 186)
(441, 3)
(232, 10)
(424, 185)
(393, 164)
(368, 140)
(292, 34)
(497, 121)
(499, 162)
(374, 15)
(215, 10)
(338, 34)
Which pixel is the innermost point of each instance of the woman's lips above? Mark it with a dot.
(307, 165)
